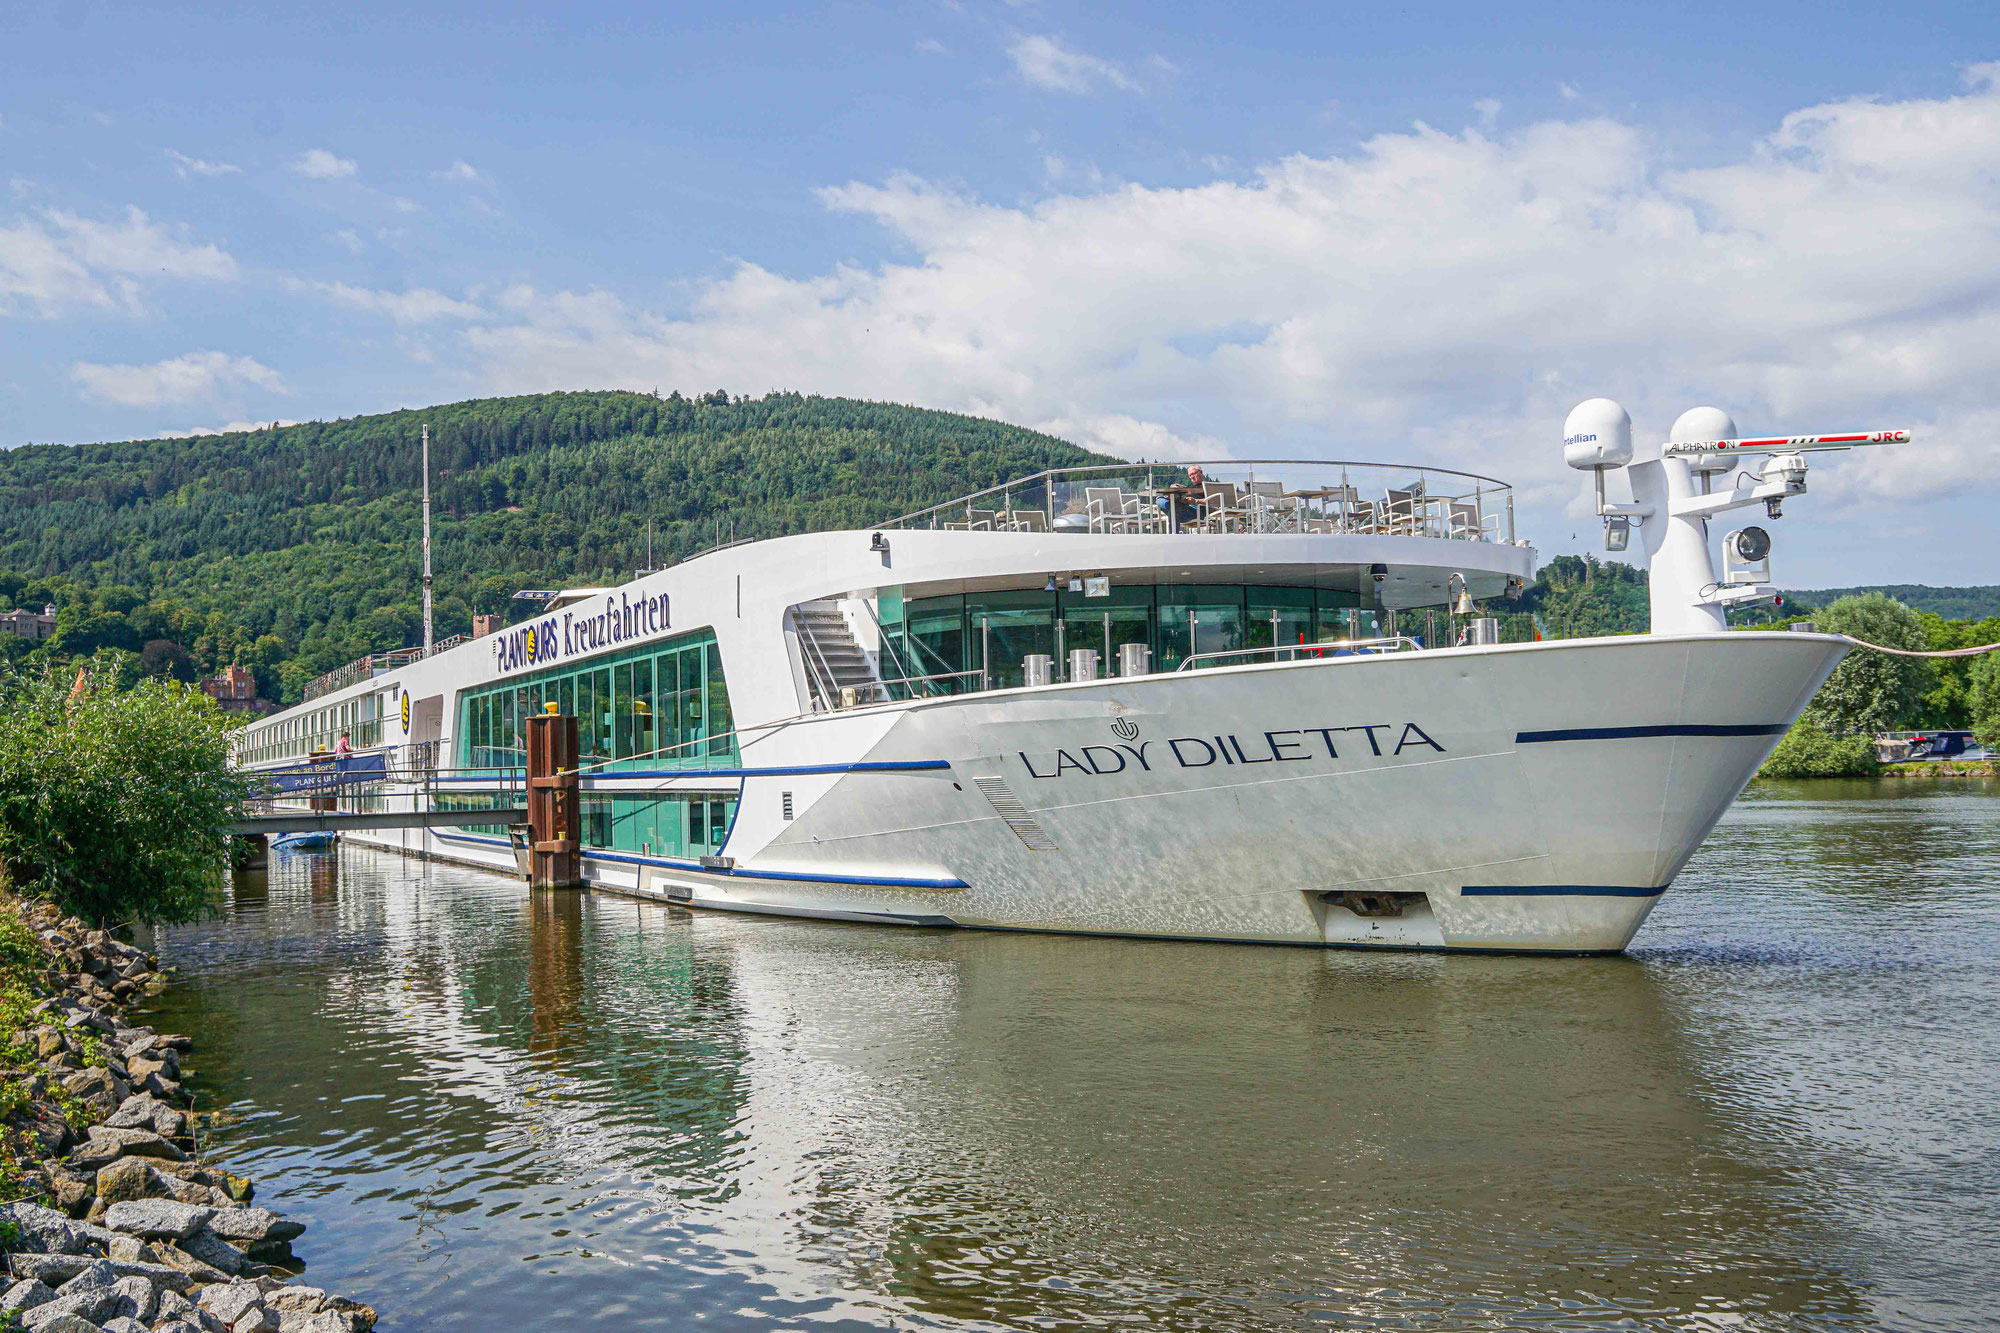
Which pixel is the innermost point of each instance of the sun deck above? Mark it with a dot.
(1236, 496)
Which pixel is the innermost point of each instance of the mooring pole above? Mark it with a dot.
(555, 808)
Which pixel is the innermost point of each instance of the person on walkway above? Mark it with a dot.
(342, 749)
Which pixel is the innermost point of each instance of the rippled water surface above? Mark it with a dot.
(500, 1110)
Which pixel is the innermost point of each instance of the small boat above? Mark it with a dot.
(312, 841)
(1895, 747)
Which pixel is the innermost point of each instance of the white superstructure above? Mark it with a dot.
(1125, 701)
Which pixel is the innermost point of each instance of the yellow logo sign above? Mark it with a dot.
(406, 712)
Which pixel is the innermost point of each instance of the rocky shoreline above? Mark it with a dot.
(142, 1235)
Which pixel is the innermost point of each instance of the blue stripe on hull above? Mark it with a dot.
(792, 771)
(1634, 733)
(668, 863)
(1559, 891)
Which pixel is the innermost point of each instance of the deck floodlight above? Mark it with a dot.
(879, 543)
(1379, 572)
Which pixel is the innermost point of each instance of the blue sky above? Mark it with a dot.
(1162, 230)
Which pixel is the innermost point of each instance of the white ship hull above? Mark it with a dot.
(1535, 797)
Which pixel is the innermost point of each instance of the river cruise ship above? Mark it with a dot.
(1256, 702)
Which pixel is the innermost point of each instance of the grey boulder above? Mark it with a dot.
(116, 1143)
(230, 1301)
(44, 1229)
(26, 1295)
(161, 1218)
(63, 1321)
(214, 1251)
(320, 1321)
(54, 1269)
(251, 1225)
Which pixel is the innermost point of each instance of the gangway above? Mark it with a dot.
(334, 821)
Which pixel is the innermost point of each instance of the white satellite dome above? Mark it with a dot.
(1704, 423)
(1597, 434)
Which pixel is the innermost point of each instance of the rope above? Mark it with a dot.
(1909, 652)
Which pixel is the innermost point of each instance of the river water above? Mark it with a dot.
(504, 1110)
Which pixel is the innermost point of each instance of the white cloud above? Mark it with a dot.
(347, 239)
(418, 305)
(57, 262)
(462, 172)
(179, 379)
(1569, 92)
(185, 166)
(233, 428)
(1047, 63)
(1488, 109)
(1429, 295)
(319, 164)
(931, 46)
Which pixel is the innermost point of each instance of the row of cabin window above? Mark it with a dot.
(679, 826)
(660, 709)
(360, 718)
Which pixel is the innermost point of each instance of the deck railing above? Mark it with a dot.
(374, 664)
(1237, 496)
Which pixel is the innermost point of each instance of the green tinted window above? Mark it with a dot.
(639, 709)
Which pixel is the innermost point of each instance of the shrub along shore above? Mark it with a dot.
(114, 1224)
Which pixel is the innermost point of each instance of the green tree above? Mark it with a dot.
(1869, 691)
(1807, 751)
(1984, 699)
(114, 804)
(1575, 597)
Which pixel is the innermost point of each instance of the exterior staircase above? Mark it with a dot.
(834, 661)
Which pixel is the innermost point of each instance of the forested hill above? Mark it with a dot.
(1952, 603)
(294, 549)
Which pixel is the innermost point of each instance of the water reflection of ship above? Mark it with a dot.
(1062, 1130)
(323, 878)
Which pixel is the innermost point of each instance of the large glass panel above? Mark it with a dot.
(1106, 623)
(1210, 617)
(934, 642)
(586, 714)
(1011, 625)
(621, 711)
(601, 713)
(670, 827)
(596, 821)
(642, 710)
(687, 697)
(1340, 616)
(720, 742)
(1280, 616)
(666, 687)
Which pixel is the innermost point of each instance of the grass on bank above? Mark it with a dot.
(24, 977)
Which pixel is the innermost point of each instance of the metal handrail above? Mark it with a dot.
(1047, 474)
(941, 675)
(1317, 650)
(824, 684)
(363, 668)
